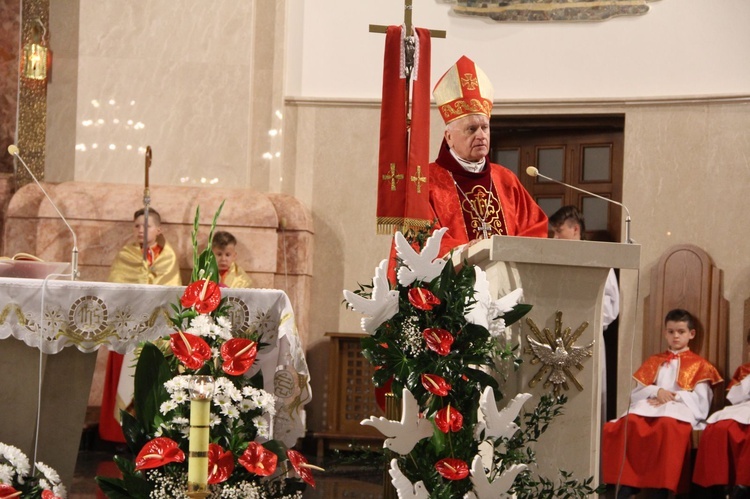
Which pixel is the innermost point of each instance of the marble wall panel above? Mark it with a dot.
(172, 75)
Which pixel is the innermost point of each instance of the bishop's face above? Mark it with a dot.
(469, 137)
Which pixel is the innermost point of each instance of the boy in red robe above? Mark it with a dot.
(724, 450)
(672, 397)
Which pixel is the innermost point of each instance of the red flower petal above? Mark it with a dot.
(259, 460)
(239, 355)
(193, 351)
(423, 299)
(204, 295)
(220, 463)
(452, 469)
(7, 490)
(158, 452)
(46, 494)
(438, 340)
(435, 384)
(299, 464)
(449, 419)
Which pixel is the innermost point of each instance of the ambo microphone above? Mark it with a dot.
(532, 171)
(13, 151)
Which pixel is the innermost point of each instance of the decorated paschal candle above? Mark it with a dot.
(201, 390)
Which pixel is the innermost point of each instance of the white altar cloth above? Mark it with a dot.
(88, 315)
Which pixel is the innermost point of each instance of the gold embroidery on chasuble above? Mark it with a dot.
(482, 203)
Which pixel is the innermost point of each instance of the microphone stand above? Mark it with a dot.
(13, 150)
(146, 203)
(534, 172)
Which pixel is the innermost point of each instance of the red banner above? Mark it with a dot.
(403, 188)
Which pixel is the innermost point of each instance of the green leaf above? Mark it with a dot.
(277, 447)
(517, 313)
(205, 260)
(131, 486)
(151, 372)
(113, 488)
(134, 433)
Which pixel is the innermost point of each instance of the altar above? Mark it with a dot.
(51, 329)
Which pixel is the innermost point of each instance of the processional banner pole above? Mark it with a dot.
(404, 144)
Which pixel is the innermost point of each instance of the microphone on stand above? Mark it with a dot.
(533, 171)
(13, 151)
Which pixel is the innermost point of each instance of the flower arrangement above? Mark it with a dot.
(436, 339)
(243, 461)
(17, 479)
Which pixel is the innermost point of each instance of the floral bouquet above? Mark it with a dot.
(436, 340)
(18, 480)
(242, 460)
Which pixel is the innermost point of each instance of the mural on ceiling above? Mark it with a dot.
(549, 10)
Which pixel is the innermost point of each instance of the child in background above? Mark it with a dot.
(160, 266)
(672, 397)
(129, 266)
(231, 275)
(724, 450)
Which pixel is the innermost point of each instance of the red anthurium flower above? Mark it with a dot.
(192, 350)
(46, 494)
(438, 340)
(158, 452)
(302, 467)
(423, 299)
(220, 463)
(204, 295)
(8, 491)
(239, 355)
(435, 384)
(259, 460)
(452, 469)
(449, 419)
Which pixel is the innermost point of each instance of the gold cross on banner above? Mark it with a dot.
(393, 176)
(379, 28)
(419, 179)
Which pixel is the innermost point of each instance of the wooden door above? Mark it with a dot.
(583, 151)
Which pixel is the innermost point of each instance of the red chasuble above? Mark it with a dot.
(495, 197)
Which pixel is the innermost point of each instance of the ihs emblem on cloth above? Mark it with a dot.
(557, 353)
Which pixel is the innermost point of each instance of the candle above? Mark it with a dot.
(201, 388)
